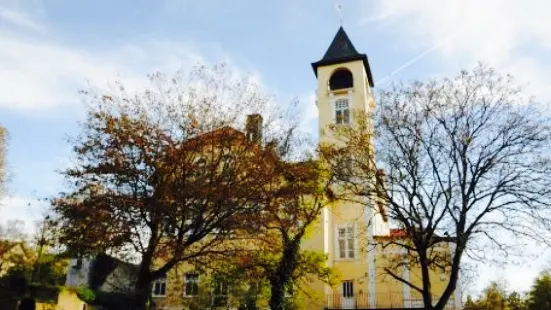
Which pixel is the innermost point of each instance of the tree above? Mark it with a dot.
(31, 268)
(470, 304)
(516, 302)
(11, 236)
(295, 197)
(539, 297)
(467, 280)
(297, 200)
(494, 297)
(466, 164)
(162, 175)
(49, 264)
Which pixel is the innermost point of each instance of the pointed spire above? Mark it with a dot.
(341, 47)
(342, 50)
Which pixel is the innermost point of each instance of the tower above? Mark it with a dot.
(344, 93)
(344, 84)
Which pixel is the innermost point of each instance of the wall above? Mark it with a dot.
(68, 300)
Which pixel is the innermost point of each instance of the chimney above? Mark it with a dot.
(253, 128)
(380, 181)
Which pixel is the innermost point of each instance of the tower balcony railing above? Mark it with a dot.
(386, 300)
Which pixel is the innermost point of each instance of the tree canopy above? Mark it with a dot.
(462, 162)
(167, 175)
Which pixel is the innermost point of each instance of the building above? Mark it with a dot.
(349, 233)
(111, 279)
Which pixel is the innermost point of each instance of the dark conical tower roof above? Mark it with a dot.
(341, 47)
(342, 50)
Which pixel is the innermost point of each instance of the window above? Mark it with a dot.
(227, 167)
(200, 166)
(342, 78)
(220, 291)
(342, 112)
(159, 287)
(346, 242)
(348, 289)
(191, 286)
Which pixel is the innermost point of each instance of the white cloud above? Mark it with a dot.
(40, 74)
(26, 209)
(507, 34)
(19, 19)
(466, 31)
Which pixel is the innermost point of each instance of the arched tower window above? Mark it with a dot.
(342, 78)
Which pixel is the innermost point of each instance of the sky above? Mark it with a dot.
(51, 49)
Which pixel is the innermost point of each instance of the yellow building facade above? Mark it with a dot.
(349, 233)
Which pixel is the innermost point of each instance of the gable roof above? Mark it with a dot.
(342, 50)
(103, 266)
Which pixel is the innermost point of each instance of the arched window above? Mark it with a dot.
(342, 78)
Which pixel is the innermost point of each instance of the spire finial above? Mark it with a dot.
(338, 7)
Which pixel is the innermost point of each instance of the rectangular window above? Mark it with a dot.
(191, 285)
(342, 112)
(159, 287)
(220, 292)
(220, 287)
(346, 242)
(348, 289)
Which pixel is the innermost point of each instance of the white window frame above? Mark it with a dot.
(334, 105)
(220, 290)
(221, 286)
(347, 241)
(348, 289)
(187, 281)
(160, 282)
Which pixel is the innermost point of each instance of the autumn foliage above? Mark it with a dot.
(166, 175)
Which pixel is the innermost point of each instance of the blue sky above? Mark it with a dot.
(51, 49)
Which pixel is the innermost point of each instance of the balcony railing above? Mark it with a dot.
(389, 300)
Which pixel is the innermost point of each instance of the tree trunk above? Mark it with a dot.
(427, 297)
(143, 285)
(36, 268)
(142, 294)
(452, 283)
(276, 297)
(280, 279)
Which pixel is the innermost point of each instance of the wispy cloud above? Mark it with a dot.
(36, 73)
(461, 32)
(20, 19)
